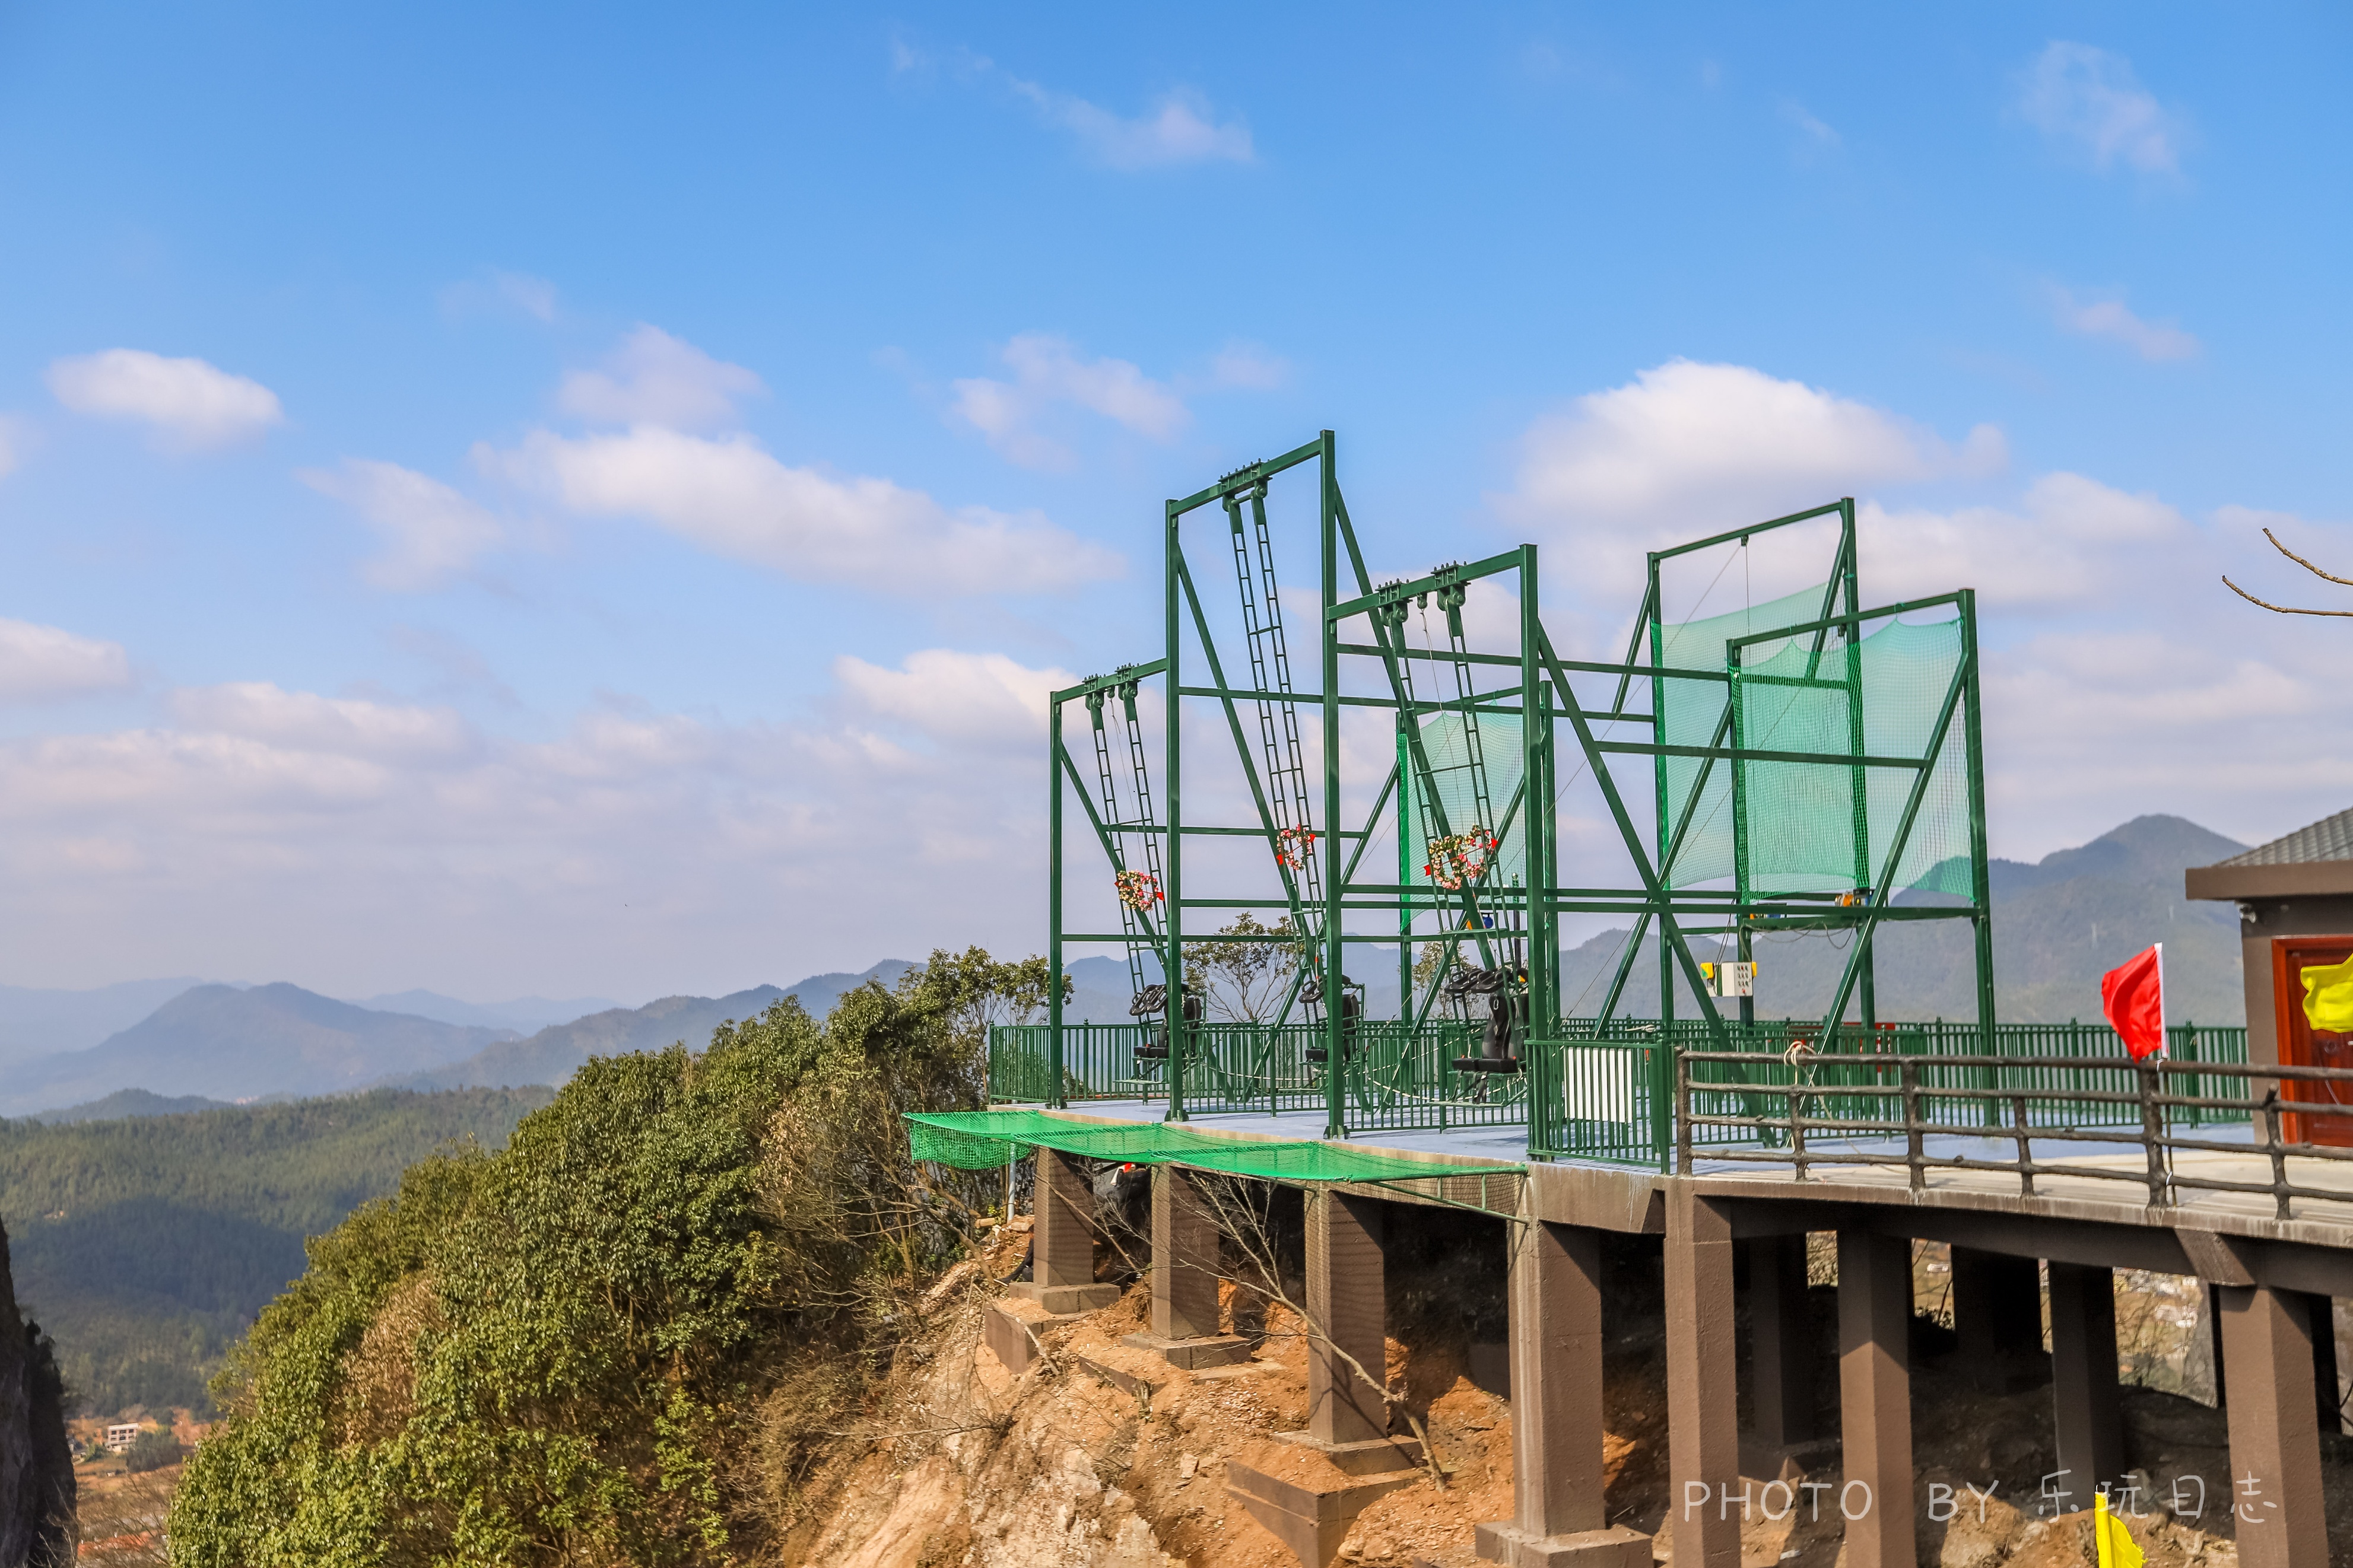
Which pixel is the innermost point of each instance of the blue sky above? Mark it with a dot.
(638, 469)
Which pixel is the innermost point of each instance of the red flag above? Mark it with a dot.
(2132, 996)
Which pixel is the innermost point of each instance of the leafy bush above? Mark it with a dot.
(151, 1450)
(573, 1350)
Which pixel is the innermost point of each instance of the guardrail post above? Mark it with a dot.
(1907, 1080)
(2025, 1146)
(1683, 1111)
(2277, 1150)
(2152, 1134)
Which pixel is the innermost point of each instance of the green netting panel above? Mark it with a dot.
(1818, 827)
(1453, 804)
(984, 1140)
(1690, 714)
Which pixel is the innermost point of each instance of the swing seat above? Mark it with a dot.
(1489, 1064)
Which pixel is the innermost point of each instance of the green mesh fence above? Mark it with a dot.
(984, 1140)
(1692, 713)
(1461, 748)
(1815, 827)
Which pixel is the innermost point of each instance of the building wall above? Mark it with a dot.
(2259, 922)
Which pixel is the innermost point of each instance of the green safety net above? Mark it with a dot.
(1692, 713)
(1815, 827)
(984, 1140)
(1458, 748)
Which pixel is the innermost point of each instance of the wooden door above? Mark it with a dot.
(2301, 1045)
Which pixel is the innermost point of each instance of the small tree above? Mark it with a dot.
(151, 1450)
(1247, 979)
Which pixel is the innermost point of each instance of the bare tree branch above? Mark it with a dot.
(2300, 560)
(2284, 609)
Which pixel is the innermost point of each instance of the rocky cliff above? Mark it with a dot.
(36, 1476)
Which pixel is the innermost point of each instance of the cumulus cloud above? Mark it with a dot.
(2089, 101)
(338, 841)
(1687, 449)
(653, 378)
(730, 497)
(2111, 319)
(337, 726)
(1182, 128)
(41, 663)
(2069, 540)
(192, 405)
(1047, 370)
(984, 699)
(432, 534)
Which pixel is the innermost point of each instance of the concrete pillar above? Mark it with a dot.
(1781, 1352)
(1998, 1317)
(2086, 1417)
(1184, 1258)
(2274, 1430)
(1556, 1380)
(1063, 1247)
(1702, 1405)
(1346, 1280)
(1875, 1299)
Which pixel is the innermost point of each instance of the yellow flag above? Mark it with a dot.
(2328, 997)
(2116, 1548)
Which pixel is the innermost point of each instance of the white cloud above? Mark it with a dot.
(432, 533)
(2071, 541)
(2153, 341)
(9, 455)
(2090, 101)
(39, 663)
(730, 497)
(1687, 449)
(1248, 366)
(1183, 128)
(192, 404)
(1047, 371)
(334, 726)
(653, 378)
(498, 291)
(1816, 131)
(980, 698)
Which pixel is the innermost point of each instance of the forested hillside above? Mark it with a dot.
(621, 1339)
(146, 1245)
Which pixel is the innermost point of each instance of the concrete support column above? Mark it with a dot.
(1875, 1299)
(1346, 1280)
(1184, 1258)
(2275, 1430)
(1063, 1247)
(1998, 1317)
(1702, 1405)
(2085, 1414)
(1781, 1352)
(2325, 1397)
(1556, 1347)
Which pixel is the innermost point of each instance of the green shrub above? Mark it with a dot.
(151, 1450)
(558, 1353)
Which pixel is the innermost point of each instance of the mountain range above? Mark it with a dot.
(207, 1045)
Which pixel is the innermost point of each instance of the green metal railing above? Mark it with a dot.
(1607, 1093)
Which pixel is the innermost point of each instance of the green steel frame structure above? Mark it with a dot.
(1362, 627)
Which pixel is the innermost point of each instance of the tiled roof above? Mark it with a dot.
(2330, 838)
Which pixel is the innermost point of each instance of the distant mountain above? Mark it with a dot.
(2058, 925)
(127, 1102)
(39, 1022)
(228, 1043)
(522, 1014)
(553, 1055)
